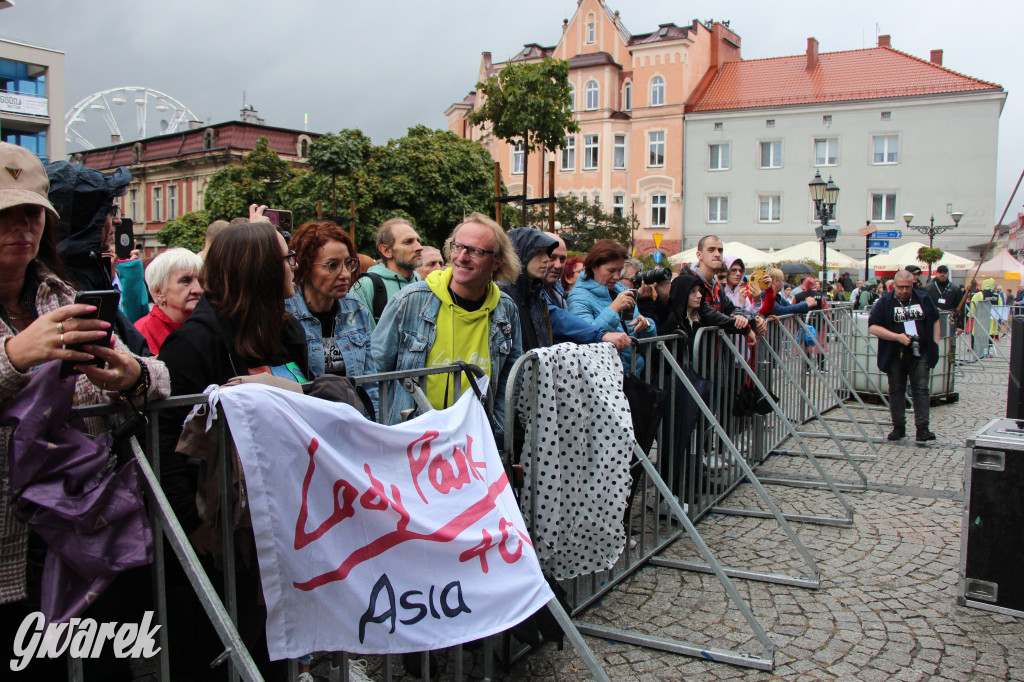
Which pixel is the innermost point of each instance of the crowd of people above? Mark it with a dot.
(257, 303)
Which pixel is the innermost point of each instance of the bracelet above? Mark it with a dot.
(141, 385)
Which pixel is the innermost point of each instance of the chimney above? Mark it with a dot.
(936, 57)
(812, 54)
(883, 41)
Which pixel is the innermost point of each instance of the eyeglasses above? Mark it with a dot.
(333, 266)
(904, 286)
(290, 257)
(473, 251)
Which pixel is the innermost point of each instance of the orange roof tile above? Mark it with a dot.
(874, 73)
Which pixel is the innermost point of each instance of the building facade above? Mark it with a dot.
(32, 98)
(896, 133)
(170, 172)
(630, 92)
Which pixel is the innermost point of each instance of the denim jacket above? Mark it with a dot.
(407, 330)
(351, 329)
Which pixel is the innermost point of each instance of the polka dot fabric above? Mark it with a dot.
(584, 437)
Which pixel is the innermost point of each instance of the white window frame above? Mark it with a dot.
(659, 210)
(593, 95)
(773, 162)
(719, 202)
(627, 96)
(591, 152)
(773, 203)
(889, 199)
(830, 143)
(158, 204)
(656, 94)
(619, 156)
(655, 147)
(619, 205)
(597, 198)
(591, 32)
(172, 201)
(569, 154)
(133, 204)
(887, 152)
(572, 97)
(517, 158)
(722, 160)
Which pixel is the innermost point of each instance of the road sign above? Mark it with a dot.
(891, 234)
(658, 255)
(878, 243)
(877, 251)
(866, 231)
(657, 241)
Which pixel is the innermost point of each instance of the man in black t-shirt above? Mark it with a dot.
(946, 295)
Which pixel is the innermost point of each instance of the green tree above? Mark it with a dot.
(529, 103)
(584, 222)
(257, 181)
(188, 231)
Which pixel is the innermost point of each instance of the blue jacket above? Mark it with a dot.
(564, 325)
(795, 309)
(351, 329)
(590, 302)
(406, 333)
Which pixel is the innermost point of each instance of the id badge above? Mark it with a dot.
(942, 300)
(910, 328)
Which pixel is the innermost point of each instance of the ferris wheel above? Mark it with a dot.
(106, 117)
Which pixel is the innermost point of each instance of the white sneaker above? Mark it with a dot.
(716, 462)
(356, 672)
(666, 511)
(306, 677)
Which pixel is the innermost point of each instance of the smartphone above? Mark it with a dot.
(124, 239)
(106, 303)
(279, 218)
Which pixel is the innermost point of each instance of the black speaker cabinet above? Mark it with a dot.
(1015, 387)
(992, 534)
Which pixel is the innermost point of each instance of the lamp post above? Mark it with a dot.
(931, 229)
(824, 196)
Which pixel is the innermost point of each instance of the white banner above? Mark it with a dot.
(380, 539)
(24, 104)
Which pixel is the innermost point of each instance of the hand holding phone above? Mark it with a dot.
(104, 304)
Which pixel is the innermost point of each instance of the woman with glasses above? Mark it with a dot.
(336, 323)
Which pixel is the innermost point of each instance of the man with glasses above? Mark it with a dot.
(457, 314)
(906, 323)
(401, 253)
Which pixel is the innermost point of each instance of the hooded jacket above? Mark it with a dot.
(591, 302)
(526, 291)
(362, 288)
(710, 315)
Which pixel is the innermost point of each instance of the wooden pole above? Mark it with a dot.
(352, 221)
(551, 195)
(526, 176)
(497, 192)
(319, 210)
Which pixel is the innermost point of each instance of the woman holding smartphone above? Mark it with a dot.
(39, 322)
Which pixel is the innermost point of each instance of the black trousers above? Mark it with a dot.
(902, 367)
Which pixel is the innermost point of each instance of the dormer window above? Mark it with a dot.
(591, 33)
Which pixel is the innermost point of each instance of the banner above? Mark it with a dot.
(379, 539)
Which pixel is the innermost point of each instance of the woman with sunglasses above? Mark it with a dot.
(336, 323)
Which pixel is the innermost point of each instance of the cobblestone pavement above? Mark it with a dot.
(886, 608)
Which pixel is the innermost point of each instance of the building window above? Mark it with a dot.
(656, 149)
(620, 152)
(771, 154)
(590, 152)
(770, 208)
(569, 154)
(619, 205)
(886, 115)
(659, 210)
(718, 157)
(657, 91)
(886, 148)
(770, 123)
(719, 126)
(591, 32)
(592, 95)
(827, 119)
(826, 152)
(158, 204)
(883, 207)
(517, 158)
(597, 198)
(133, 205)
(572, 97)
(172, 202)
(718, 209)
(627, 97)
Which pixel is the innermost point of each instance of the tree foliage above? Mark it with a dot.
(257, 181)
(583, 222)
(340, 154)
(188, 231)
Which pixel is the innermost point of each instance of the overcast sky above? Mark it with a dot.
(384, 66)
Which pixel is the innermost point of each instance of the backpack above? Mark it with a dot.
(380, 294)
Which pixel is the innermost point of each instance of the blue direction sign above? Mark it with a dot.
(878, 243)
(890, 234)
(658, 255)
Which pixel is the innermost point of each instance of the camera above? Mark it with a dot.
(915, 346)
(650, 277)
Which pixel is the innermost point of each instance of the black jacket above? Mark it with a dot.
(197, 354)
(526, 291)
(716, 309)
(882, 315)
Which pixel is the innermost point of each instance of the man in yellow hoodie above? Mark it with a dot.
(457, 314)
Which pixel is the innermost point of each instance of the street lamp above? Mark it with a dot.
(824, 196)
(931, 229)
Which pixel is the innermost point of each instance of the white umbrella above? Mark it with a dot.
(906, 254)
(811, 250)
(1000, 266)
(751, 257)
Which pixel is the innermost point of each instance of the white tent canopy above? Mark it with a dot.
(811, 250)
(999, 266)
(751, 257)
(905, 254)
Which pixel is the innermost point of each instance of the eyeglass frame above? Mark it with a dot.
(474, 252)
(351, 264)
(290, 257)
